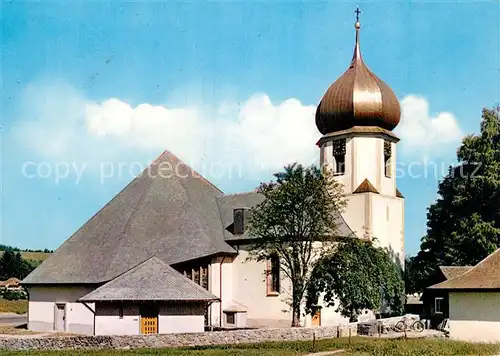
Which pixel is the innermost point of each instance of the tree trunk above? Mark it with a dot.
(296, 316)
(296, 299)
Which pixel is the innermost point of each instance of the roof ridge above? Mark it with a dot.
(168, 274)
(127, 223)
(191, 168)
(239, 193)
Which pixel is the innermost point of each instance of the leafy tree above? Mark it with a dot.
(296, 223)
(463, 225)
(359, 276)
(13, 265)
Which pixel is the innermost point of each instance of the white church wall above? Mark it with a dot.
(388, 184)
(249, 288)
(220, 265)
(108, 321)
(326, 158)
(367, 163)
(356, 213)
(268, 310)
(182, 318)
(388, 223)
(42, 304)
(364, 160)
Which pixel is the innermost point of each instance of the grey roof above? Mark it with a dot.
(168, 211)
(230, 202)
(151, 280)
(343, 230)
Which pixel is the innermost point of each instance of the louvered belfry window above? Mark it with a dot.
(387, 158)
(339, 151)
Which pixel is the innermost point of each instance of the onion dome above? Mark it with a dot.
(357, 98)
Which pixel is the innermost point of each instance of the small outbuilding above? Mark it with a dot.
(474, 300)
(150, 298)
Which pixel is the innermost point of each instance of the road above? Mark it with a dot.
(12, 319)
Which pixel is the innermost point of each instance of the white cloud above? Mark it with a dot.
(423, 134)
(59, 124)
(254, 137)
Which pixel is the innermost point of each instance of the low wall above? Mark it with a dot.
(173, 340)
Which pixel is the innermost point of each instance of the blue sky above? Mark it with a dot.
(90, 82)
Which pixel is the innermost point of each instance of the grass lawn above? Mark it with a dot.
(359, 346)
(13, 306)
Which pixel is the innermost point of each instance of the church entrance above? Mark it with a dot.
(149, 320)
(316, 319)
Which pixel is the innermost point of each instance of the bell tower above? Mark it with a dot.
(356, 117)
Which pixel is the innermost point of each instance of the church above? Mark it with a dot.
(168, 254)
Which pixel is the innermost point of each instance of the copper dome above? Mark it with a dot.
(357, 98)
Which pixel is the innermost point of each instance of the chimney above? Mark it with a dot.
(240, 219)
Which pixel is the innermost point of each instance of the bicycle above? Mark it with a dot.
(409, 323)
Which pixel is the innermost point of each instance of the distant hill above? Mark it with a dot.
(33, 256)
(27, 254)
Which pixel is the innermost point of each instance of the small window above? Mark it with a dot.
(230, 318)
(438, 305)
(387, 158)
(120, 311)
(273, 275)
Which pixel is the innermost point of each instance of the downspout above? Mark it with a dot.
(220, 293)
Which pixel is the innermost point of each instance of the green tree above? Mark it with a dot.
(359, 276)
(13, 265)
(463, 225)
(296, 222)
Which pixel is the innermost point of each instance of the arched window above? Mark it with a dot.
(273, 275)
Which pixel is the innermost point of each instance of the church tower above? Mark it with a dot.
(356, 117)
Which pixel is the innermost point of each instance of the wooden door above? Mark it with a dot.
(59, 317)
(149, 320)
(316, 319)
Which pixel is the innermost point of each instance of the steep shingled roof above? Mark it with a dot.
(249, 200)
(484, 275)
(151, 280)
(451, 272)
(168, 211)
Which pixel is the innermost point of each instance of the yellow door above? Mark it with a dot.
(316, 319)
(149, 320)
(149, 325)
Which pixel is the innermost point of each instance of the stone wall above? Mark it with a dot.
(173, 340)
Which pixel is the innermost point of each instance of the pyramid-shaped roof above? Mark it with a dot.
(484, 275)
(365, 187)
(168, 211)
(151, 280)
